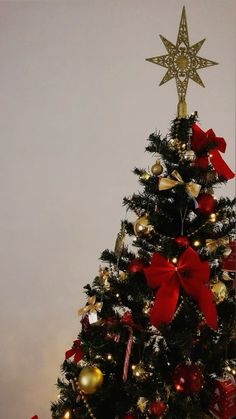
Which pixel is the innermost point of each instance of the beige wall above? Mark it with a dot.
(77, 102)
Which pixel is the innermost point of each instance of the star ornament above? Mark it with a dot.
(182, 63)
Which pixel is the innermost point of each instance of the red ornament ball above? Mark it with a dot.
(157, 408)
(136, 265)
(182, 241)
(188, 379)
(206, 203)
(128, 416)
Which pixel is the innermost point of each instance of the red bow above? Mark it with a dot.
(76, 351)
(200, 139)
(192, 274)
(35, 417)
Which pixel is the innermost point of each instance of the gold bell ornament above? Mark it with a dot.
(189, 155)
(90, 379)
(157, 168)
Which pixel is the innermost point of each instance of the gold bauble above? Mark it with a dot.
(157, 168)
(219, 291)
(189, 155)
(90, 379)
(142, 226)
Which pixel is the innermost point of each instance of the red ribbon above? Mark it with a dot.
(35, 417)
(192, 274)
(200, 139)
(75, 351)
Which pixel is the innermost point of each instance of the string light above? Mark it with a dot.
(212, 217)
(196, 243)
(67, 415)
(109, 357)
(117, 295)
(174, 260)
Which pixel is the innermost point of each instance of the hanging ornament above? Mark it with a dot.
(92, 308)
(192, 188)
(175, 144)
(157, 168)
(144, 176)
(188, 379)
(157, 408)
(182, 241)
(90, 379)
(189, 155)
(219, 291)
(136, 265)
(228, 262)
(142, 404)
(206, 203)
(128, 416)
(75, 351)
(142, 226)
(104, 277)
(146, 308)
(223, 398)
(139, 371)
(119, 245)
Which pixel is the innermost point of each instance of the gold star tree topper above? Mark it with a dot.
(182, 63)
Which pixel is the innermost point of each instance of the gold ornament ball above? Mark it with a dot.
(219, 291)
(189, 155)
(157, 168)
(90, 379)
(142, 226)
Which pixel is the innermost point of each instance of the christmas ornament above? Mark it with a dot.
(228, 263)
(212, 244)
(90, 379)
(157, 408)
(189, 155)
(147, 307)
(142, 404)
(200, 141)
(75, 351)
(92, 308)
(136, 265)
(182, 241)
(206, 203)
(219, 291)
(128, 416)
(119, 245)
(212, 217)
(175, 144)
(142, 226)
(188, 379)
(139, 371)
(191, 188)
(157, 168)
(192, 274)
(223, 399)
(144, 176)
(104, 277)
(182, 63)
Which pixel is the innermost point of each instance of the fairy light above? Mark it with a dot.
(117, 295)
(212, 217)
(67, 415)
(109, 357)
(196, 243)
(174, 260)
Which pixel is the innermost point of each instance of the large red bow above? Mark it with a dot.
(199, 140)
(192, 274)
(75, 351)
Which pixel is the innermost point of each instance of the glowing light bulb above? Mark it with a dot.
(117, 295)
(109, 357)
(212, 217)
(67, 415)
(196, 243)
(174, 260)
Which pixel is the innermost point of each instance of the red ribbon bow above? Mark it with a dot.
(75, 351)
(35, 417)
(199, 140)
(192, 274)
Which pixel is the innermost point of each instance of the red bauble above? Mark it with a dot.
(157, 409)
(128, 416)
(188, 379)
(136, 265)
(206, 203)
(182, 241)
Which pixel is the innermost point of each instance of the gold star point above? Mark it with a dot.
(182, 63)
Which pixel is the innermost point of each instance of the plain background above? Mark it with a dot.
(77, 101)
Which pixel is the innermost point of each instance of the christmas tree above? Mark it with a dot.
(157, 329)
